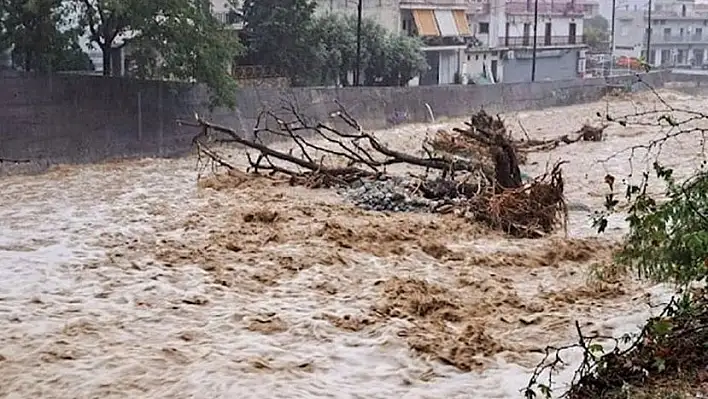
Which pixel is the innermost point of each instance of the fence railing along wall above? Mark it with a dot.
(77, 119)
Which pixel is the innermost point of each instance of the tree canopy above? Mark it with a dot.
(177, 39)
(39, 40)
(596, 32)
(183, 40)
(321, 50)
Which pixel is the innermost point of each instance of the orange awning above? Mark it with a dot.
(425, 22)
(461, 21)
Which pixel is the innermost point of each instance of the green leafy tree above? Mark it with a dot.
(278, 33)
(39, 40)
(386, 59)
(597, 33)
(597, 22)
(178, 39)
(337, 49)
(405, 60)
(189, 44)
(109, 21)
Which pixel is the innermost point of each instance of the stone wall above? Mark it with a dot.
(76, 119)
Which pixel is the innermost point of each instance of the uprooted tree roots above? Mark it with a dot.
(486, 186)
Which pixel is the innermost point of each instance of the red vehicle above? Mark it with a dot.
(630, 62)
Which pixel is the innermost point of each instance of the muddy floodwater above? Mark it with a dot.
(131, 280)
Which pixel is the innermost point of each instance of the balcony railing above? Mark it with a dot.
(436, 3)
(541, 41)
(667, 14)
(527, 7)
(245, 72)
(439, 41)
(660, 38)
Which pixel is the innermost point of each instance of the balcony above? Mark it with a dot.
(673, 15)
(554, 9)
(660, 38)
(541, 41)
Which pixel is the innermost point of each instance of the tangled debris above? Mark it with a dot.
(670, 348)
(483, 184)
(666, 359)
(466, 143)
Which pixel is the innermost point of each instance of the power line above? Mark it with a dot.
(535, 38)
(358, 43)
(648, 61)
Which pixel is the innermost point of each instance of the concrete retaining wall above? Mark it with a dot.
(77, 119)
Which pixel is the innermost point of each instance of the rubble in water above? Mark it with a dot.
(393, 194)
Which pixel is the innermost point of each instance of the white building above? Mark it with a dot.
(504, 33)
(679, 33)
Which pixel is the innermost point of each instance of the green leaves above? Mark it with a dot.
(41, 41)
(668, 241)
(169, 39)
(278, 33)
(187, 43)
(321, 50)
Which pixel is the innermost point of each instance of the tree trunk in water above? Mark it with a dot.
(506, 167)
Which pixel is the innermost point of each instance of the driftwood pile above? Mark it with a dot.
(474, 171)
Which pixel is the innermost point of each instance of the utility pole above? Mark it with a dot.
(358, 43)
(612, 42)
(649, 36)
(535, 34)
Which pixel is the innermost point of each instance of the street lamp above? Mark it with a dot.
(612, 29)
(612, 43)
(358, 44)
(535, 34)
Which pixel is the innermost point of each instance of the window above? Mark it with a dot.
(527, 34)
(572, 33)
(484, 27)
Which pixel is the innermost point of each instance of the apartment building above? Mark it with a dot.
(679, 33)
(441, 24)
(503, 34)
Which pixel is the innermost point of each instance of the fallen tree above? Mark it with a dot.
(321, 156)
(477, 138)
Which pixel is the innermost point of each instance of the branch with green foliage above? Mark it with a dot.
(668, 237)
(667, 242)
